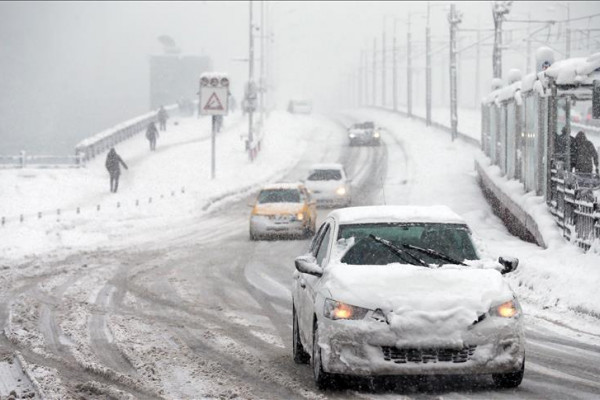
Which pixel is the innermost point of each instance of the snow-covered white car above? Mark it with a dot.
(401, 290)
(329, 185)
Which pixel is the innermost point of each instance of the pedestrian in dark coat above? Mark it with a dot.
(162, 118)
(561, 145)
(152, 135)
(584, 156)
(113, 163)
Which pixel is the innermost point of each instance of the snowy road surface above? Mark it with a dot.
(199, 311)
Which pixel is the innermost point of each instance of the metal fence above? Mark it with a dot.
(573, 202)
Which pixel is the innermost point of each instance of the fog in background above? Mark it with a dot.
(72, 69)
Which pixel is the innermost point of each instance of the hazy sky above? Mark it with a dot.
(71, 69)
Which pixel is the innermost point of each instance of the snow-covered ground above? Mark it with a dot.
(159, 187)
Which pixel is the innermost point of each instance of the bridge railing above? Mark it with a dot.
(101, 142)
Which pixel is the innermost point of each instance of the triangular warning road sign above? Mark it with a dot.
(213, 103)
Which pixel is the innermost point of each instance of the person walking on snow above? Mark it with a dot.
(113, 162)
(162, 118)
(583, 154)
(152, 135)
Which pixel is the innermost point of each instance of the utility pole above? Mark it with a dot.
(499, 10)
(366, 76)
(262, 66)
(375, 72)
(408, 71)
(528, 64)
(395, 70)
(251, 88)
(477, 69)
(428, 70)
(360, 81)
(383, 99)
(454, 18)
(568, 33)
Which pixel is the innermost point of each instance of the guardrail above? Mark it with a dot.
(100, 142)
(40, 161)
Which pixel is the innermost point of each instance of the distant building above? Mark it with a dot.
(174, 77)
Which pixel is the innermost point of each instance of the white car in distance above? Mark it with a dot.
(401, 290)
(329, 185)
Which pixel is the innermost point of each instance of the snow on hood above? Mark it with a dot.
(278, 208)
(420, 303)
(396, 214)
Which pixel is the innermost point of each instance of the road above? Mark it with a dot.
(203, 312)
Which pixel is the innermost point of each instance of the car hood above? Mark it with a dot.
(277, 208)
(420, 303)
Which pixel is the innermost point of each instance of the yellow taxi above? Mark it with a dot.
(283, 210)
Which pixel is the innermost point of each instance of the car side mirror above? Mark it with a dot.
(308, 265)
(509, 263)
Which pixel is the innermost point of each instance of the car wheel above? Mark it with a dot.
(253, 236)
(323, 380)
(510, 379)
(300, 355)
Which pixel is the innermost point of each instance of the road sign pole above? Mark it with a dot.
(213, 150)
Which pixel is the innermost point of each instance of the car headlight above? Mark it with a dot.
(340, 191)
(508, 309)
(300, 217)
(337, 310)
(352, 135)
(376, 135)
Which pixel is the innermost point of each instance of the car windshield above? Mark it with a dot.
(279, 196)
(451, 240)
(325, 175)
(369, 125)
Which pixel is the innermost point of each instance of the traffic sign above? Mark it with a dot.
(213, 100)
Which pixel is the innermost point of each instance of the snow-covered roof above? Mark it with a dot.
(527, 82)
(282, 185)
(508, 92)
(217, 75)
(393, 214)
(575, 71)
(326, 166)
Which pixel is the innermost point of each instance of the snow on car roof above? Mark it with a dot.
(282, 185)
(326, 166)
(375, 214)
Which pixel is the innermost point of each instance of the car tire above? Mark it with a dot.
(323, 380)
(300, 355)
(510, 379)
(253, 237)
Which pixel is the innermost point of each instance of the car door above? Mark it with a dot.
(310, 284)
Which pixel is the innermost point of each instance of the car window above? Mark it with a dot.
(322, 249)
(453, 240)
(317, 239)
(325, 175)
(279, 196)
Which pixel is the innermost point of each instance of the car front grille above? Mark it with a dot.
(403, 355)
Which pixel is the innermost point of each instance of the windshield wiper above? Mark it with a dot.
(434, 253)
(399, 252)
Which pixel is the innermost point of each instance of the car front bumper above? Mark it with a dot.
(368, 348)
(262, 225)
(331, 199)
